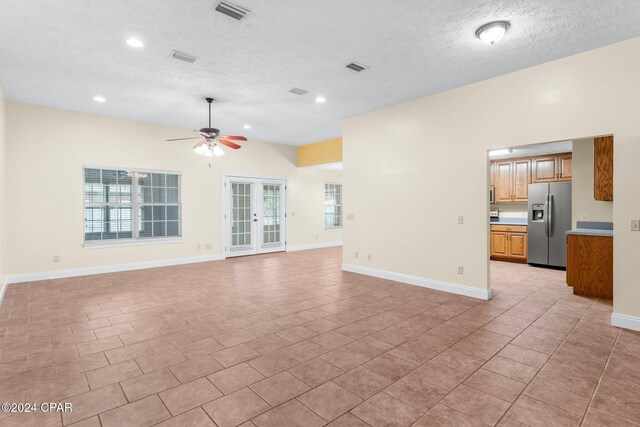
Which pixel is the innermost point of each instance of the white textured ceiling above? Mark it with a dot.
(61, 53)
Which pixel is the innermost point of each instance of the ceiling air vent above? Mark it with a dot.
(182, 56)
(356, 67)
(232, 10)
(299, 91)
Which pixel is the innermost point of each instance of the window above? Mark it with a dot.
(125, 204)
(332, 206)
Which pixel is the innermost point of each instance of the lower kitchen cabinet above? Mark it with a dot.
(590, 265)
(509, 242)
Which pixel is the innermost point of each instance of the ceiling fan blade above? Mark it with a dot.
(182, 139)
(229, 143)
(234, 138)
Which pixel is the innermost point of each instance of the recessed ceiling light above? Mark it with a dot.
(492, 32)
(247, 126)
(320, 99)
(135, 43)
(99, 99)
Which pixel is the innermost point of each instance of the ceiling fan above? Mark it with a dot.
(209, 145)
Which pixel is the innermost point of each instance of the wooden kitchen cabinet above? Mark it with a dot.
(565, 164)
(552, 168)
(511, 180)
(590, 265)
(504, 181)
(511, 177)
(603, 168)
(544, 169)
(521, 180)
(509, 242)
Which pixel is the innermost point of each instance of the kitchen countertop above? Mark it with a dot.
(510, 221)
(591, 232)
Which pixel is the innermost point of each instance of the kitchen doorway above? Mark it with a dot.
(540, 197)
(254, 215)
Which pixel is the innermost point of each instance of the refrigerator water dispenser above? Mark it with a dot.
(537, 212)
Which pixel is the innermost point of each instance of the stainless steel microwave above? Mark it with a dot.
(492, 194)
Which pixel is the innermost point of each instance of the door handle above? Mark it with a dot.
(550, 214)
(255, 220)
(546, 215)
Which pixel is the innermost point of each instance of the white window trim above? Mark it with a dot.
(136, 240)
(96, 244)
(337, 228)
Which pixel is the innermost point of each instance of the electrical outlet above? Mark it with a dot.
(634, 225)
(56, 258)
(208, 246)
(584, 217)
(351, 217)
(460, 269)
(460, 220)
(316, 237)
(293, 213)
(369, 257)
(199, 246)
(356, 255)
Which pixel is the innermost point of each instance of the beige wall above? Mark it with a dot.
(410, 170)
(48, 147)
(3, 188)
(584, 206)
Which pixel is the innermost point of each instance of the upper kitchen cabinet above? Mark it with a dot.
(603, 168)
(552, 168)
(565, 164)
(511, 177)
(545, 169)
(521, 180)
(503, 171)
(511, 180)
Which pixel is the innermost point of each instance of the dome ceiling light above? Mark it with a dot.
(492, 32)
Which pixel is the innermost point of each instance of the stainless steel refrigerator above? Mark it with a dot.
(549, 220)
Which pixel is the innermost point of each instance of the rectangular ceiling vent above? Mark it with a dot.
(299, 91)
(232, 10)
(182, 56)
(356, 67)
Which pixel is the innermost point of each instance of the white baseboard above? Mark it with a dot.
(313, 246)
(73, 272)
(453, 288)
(624, 321)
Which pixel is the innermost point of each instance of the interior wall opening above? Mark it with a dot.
(550, 217)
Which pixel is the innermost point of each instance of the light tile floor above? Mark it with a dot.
(290, 340)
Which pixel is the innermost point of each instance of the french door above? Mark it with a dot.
(254, 218)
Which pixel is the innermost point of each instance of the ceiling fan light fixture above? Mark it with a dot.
(492, 32)
(217, 151)
(100, 99)
(203, 148)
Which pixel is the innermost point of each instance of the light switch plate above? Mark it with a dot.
(350, 217)
(634, 225)
(460, 220)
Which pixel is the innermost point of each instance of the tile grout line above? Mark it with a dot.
(593, 395)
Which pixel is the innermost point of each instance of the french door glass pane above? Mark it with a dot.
(271, 214)
(240, 214)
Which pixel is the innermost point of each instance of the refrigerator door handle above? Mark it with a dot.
(546, 215)
(550, 215)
